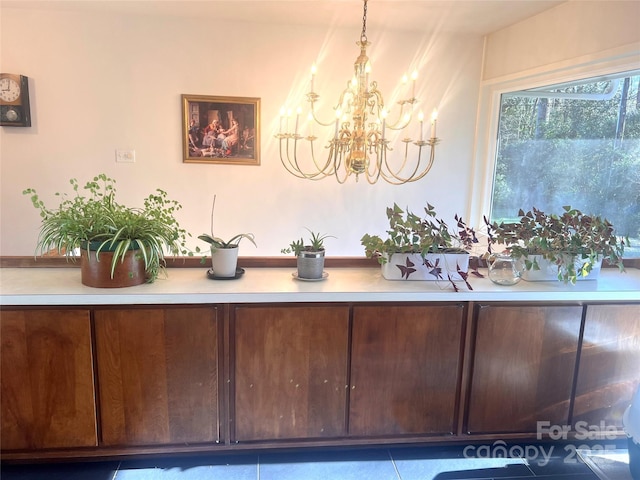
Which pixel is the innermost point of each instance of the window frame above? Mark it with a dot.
(491, 91)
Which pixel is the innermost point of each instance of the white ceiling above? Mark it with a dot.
(460, 16)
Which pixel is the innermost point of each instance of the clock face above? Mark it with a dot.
(9, 90)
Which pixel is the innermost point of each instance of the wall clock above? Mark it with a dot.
(14, 100)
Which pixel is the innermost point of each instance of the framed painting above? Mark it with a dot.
(223, 130)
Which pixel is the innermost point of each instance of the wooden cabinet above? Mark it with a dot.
(168, 377)
(289, 371)
(47, 392)
(609, 369)
(405, 369)
(158, 375)
(524, 359)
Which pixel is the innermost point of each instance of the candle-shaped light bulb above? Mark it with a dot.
(421, 119)
(405, 79)
(287, 121)
(310, 120)
(414, 75)
(383, 114)
(298, 111)
(313, 74)
(282, 111)
(434, 120)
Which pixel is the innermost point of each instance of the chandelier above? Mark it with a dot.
(359, 144)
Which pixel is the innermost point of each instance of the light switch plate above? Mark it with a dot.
(125, 156)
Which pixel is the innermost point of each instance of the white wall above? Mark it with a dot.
(577, 39)
(102, 82)
(578, 30)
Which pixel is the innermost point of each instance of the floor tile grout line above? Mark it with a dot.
(393, 462)
(525, 462)
(115, 473)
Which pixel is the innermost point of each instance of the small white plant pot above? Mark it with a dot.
(224, 261)
(436, 266)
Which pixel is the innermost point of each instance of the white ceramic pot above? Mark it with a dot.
(224, 261)
(549, 271)
(436, 266)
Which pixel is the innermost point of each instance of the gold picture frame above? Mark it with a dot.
(221, 130)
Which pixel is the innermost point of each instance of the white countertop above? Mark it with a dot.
(61, 286)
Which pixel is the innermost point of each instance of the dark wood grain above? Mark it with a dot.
(405, 369)
(609, 370)
(290, 371)
(523, 367)
(47, 380)
(158, 375)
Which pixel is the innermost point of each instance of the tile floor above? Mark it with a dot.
(396, 463)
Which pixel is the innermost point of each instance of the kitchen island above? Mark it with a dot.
(189, 364)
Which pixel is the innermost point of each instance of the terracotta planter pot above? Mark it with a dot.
(96, 272)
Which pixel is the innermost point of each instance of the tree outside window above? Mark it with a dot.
(573, 144)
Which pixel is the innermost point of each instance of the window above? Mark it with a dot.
(572, 144)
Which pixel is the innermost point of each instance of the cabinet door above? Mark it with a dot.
(523, 367)
(405, 369)
(157, 375)
(290, 371)
(47, 380)
(609, 370)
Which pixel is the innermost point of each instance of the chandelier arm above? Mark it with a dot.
(322, 172)
(395, 174)
(400, 123)
(291, 169)
(373, 177)
(324, 169)
(318, 121)
(337, 162)
(432, 157)
(294, 164)
(346, 176)
(395, 179)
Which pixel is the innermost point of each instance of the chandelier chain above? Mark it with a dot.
(363, 35)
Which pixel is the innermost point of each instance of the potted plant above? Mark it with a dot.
(422, 247)
(569, 247)
(119, 246)
(224, 254)
(310, 256)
